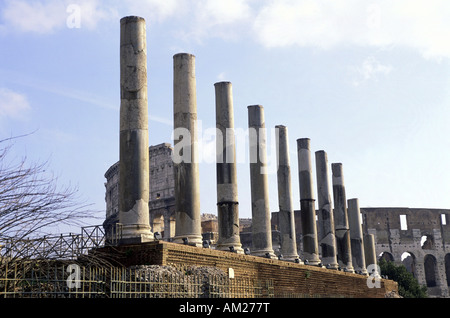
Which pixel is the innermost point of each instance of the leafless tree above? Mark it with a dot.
(31, 199)
(31, 204)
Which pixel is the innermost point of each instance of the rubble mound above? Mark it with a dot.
(152, 272)
(392, 294)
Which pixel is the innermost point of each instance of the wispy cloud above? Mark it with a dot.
(36, 17)
(370, 69)
(48, 16)
(13, 105)
(16, 105)
(417, 24)
(224, 19)
(57, 89)
(155, 11)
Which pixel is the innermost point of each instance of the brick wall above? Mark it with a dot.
(288, 278)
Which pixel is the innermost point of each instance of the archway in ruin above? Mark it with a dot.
(427, 242)
(447, 268)
(386, 256)
(409, 261)
(430, 270)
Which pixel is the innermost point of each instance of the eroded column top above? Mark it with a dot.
(338, 173)
(256, 116)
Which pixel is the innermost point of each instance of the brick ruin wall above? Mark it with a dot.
(289, 279)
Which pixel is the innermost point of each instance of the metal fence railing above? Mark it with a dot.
(38, 279)
(61, 247)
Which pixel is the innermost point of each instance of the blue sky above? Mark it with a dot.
(368, 82)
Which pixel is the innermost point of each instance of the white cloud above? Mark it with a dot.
(216, 19)
(286, 23)
(417, 24)
(93, 11)
(47, 16)
(215, 12)
(13, 105)
(156, 10)
(221, 76)
(370, 69)
(226, 19)
(422, 25)
(37, 17)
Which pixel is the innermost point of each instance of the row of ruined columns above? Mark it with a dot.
(342, 244)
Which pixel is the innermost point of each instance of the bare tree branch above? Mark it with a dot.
(31, 200)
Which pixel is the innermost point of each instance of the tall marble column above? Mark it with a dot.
(261, 227)
(134, 158)
(356, 236)
(286, 218)
(185, 155)
(371, 255)
(344, 253)
(327, 238)
(227, 193)
(307, 203)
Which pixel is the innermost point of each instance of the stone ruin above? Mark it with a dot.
(134, 164)
(334, 236)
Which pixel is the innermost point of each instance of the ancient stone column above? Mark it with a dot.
(134, 159)
(185, 154)
(307, 203)
(327, 238)
(370, 255)
(261, 227)
(356, 237)
(227, 194)
(286, 220)
(344, 254)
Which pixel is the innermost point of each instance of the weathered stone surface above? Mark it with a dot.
(356, 237)
(286, 219)
(370, 255)
(327, 239)
(342, 231)
(307, 203)
(261, 228)
(227, 194)
(134, 159)
(187, 184)
(425, 237)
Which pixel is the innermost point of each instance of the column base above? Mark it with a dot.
(191, 240)
(264, 253)
(330, 262)
(348, 269)
(311, 259)
(291, 258)
(331, 266)
(135, 234)
(236, 248)
(361, 271)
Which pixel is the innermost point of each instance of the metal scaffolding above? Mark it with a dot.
(60, 247)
